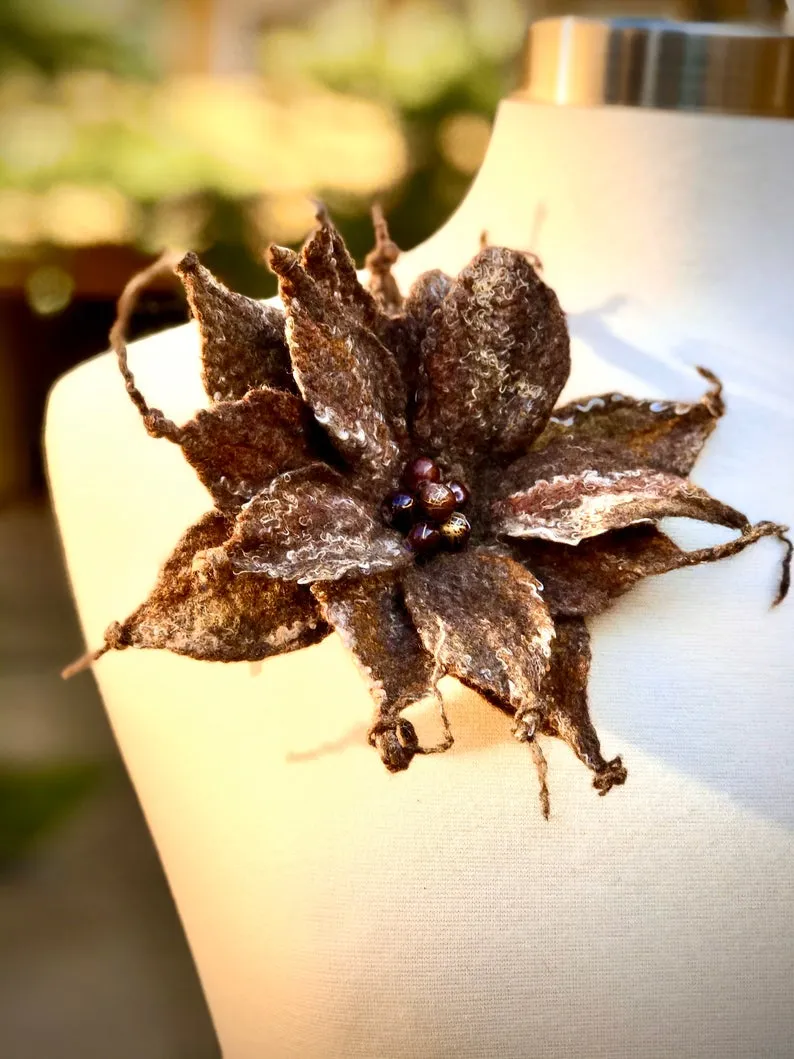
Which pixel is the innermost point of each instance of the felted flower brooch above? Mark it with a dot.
(394, 469)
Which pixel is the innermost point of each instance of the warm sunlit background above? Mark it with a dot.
(127, 126)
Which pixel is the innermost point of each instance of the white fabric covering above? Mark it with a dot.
(339, 912)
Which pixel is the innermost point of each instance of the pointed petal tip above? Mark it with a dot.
(281, 259)
(613, 774)
(396, 742)
(188, 264)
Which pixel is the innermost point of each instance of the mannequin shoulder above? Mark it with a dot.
(166, 368)
(122, 498)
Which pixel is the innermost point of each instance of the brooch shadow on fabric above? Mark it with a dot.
(395, 469)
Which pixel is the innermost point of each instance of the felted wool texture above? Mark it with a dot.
(492, 361)
(336, 911)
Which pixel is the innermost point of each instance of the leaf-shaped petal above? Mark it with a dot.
(495, 358)
(667, 435)
(371, 618)
(327, 261)
(349, 378)
(586, 579)
(237, 447)
(569, 508)
(566, 712)
(483, 618)
(242, 341)
(307, 526)
(203, 612)
(403, 334)
(400, 325)
(569, 491)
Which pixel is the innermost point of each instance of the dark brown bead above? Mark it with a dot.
(462, 494)
(423, 538)
(422, 469)
(436, 500)
(398, 510)
(456, 530)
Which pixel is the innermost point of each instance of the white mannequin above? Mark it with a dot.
(335, 910)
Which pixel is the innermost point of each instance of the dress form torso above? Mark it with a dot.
(336, 910)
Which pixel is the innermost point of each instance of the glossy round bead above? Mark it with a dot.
(436, 500)
(423, 538)
(398, 510)
(422, 469)
(456, 530)
(462, 494)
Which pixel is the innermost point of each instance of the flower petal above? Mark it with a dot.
(371, 618)
(197, 610)
(327, 261)
(586, 579)
(495, 359)
(242, 341)
(237, 447)
(483, 618)
(400, 325)
(572, 507)
(404, 334)
(574, 492)
(307, 526)
(345, 373)
(667, 435)
(565, 711)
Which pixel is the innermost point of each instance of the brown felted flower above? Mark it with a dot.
(347, 433)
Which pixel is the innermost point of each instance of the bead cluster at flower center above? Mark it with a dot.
(427, 510)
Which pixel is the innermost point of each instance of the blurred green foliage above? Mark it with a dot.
(51, 36)
(435, 63)
(358, 99)
(35, 799)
